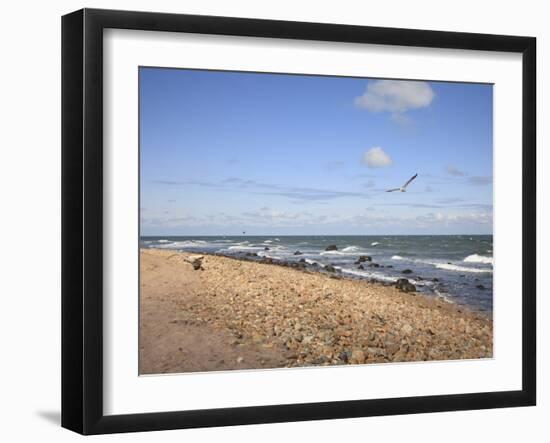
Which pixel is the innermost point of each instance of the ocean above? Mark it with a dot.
(456, 268)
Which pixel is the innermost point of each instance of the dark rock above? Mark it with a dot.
(389, 266)
(268, 260)
(419, 278)
(364, 258)
(297, 253)
(406, 271)
(302, 260)
(331, 248)
(360, 267)
(320, 360)
(462, 275)
(435, 280)
(480, 287)
(374, 265)
(345, 356)
(197, 264)
(404, 285)
(266, 249)
(251, 254)
(330, 268)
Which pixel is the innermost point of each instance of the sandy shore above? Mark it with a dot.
(236, 314)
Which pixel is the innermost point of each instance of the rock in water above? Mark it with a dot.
(480, 287)
(406, 271)
(364, 258)
(330, 268)
(404, 285)
(360, 267)
(331, 248)
(266, 249)
(297, 253)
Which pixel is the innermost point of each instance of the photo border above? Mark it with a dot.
(82, 220)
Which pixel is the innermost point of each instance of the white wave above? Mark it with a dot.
(475, 258)
(397, 257)
(443, 296)
(268, 241)
(350, 249)
(313, 262)
(182, 244)
(451, 267)
(366, 274)
(374, 243)
(164, 241)
(245, 248)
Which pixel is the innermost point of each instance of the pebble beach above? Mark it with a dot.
(214, 313)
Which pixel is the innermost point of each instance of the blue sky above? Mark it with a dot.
(225, 152)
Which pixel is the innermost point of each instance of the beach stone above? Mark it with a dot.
(404, 285)
(360, 267)
(345, 356)
(302, 260)
(297, 253)
(331, 248)
(406, 271)
(364, 258)
(330, 268)
(357, 357)
(406, 329)
(197, 264)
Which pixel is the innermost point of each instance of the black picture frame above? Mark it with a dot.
(82, 218)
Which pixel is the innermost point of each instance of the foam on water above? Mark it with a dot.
(397, 257)
(451, 267)
(475, 258)
(181, 244)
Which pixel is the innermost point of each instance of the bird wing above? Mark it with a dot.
(410, 180)
(393, 190)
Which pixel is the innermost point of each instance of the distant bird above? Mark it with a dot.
(403, 188)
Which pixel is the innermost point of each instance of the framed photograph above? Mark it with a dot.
(268, 221)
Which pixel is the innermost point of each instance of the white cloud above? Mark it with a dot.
(395, 96)
(377, 158)
(453, 170)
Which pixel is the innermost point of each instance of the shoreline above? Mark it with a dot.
(238, 313)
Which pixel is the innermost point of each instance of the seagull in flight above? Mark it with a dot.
(403, 188)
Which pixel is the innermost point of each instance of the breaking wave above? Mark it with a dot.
(475, 258)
